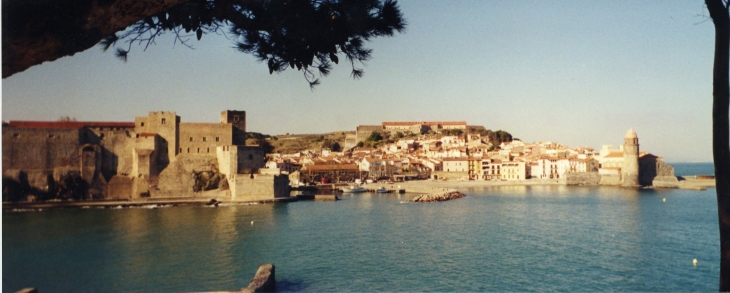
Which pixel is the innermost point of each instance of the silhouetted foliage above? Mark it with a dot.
(307, 35)
(335, 147)
(13, 190)
(256, 135)
(71, 186)
(265, 145)
(209, 180)
(375, 136)
(331, 145)
(456, 132)
(503, 136)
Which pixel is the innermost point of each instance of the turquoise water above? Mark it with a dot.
(685, 169)
(540, 238)
(549, 238)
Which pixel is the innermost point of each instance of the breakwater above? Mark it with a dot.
(443, 196)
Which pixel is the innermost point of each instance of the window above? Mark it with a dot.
(204, 138)
(250, 157)
(51, 136)
(18, 134)
(235, 118)
(188, 150)
(141, 124)
(191, 138)
(137, 135)
(181, 150)
(216, 138)
(209, 150)
(163, 121)
(198, 150)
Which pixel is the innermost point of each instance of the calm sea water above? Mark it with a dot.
(539, 238)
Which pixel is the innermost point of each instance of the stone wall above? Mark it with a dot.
(178, 178)
(120, 187)
(665, 182)
(350, 141)
(364, 131)
(166, 125)
(581, 178)
(238, 120)
(43, 155)
(653, 167)
(440, 175)
(255, 187)
(203, 138)
(250, 159)
(610, 180)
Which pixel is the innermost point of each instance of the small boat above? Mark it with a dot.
(353, 189)
(382, 190)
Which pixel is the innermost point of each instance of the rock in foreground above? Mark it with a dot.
(444, 196)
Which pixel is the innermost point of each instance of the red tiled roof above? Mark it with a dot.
(615, 155)
(67, 124)
(351, 167)
(147, 134)
(455, 159)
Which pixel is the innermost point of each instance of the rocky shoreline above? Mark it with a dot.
(443, 196)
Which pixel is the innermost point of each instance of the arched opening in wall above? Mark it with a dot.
(88, 163)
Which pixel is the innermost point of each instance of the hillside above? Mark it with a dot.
(287, 144)
(292, 143)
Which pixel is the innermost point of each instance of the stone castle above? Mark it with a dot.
(156, 156)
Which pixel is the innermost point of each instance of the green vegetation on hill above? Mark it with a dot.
(335, 141)
(287, 144)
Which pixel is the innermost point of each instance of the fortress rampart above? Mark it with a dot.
(155, 156)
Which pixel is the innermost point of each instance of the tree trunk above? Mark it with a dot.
(44, 30)
(721, 131)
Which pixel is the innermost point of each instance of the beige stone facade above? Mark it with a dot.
(155, 156)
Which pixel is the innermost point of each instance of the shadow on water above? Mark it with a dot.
(291, 285)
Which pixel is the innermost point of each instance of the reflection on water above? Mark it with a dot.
(518, 238)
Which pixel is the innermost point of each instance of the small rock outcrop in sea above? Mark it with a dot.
(443, 196)
(264, 281)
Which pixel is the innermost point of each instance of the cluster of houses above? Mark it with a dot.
(467, 157)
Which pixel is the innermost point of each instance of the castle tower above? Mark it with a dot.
(238, 119)
(630, 167)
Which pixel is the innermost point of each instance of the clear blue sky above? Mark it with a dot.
(577, 72)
